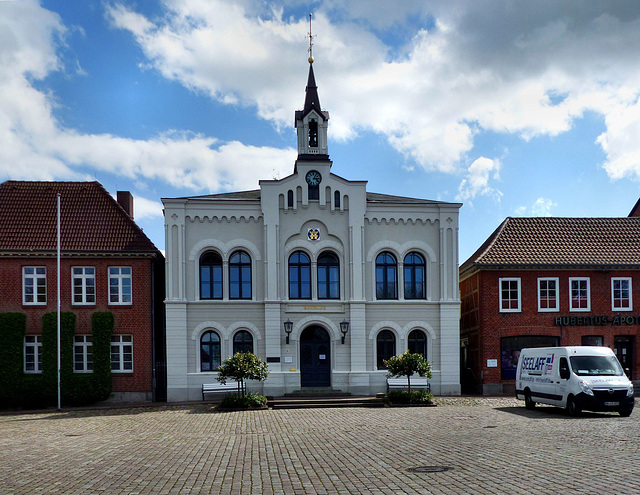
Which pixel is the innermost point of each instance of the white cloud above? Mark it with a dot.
(33, 145)
(541, 208)
(469, 66)
(144, 209)
(480, 172)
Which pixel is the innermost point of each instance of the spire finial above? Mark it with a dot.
(310, 36)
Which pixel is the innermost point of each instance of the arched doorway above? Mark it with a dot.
(315, 357)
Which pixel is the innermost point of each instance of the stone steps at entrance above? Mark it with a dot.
(304, 402)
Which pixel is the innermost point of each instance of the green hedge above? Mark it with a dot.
(18, 389)
(12, 329)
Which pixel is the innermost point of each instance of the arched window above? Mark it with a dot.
(210, 276)
(242, 342)
(209, 351)
(386, 276)
(418, 343)
(385, 347)
(414, 277)
(299, 276)
(240, 276)
(289, 198)
(328, 276)
(336, 199)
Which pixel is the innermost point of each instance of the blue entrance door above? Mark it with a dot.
(315, 358)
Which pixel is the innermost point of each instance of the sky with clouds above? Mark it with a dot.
(512, 108)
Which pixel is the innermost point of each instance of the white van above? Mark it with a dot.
(575, 378)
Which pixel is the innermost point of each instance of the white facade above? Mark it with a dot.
(274, 223)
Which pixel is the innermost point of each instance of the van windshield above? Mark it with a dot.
(596, 365)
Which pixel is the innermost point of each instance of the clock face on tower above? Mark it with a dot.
(313, 177)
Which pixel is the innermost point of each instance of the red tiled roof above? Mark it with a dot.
(91, 219)
(549, 241)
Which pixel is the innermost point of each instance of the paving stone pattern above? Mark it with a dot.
(489, 445)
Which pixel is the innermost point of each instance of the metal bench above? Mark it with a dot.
(231, 386)
(417, 383)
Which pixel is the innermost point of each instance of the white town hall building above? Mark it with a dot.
(320, 278)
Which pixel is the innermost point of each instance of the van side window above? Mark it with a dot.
(564, 368)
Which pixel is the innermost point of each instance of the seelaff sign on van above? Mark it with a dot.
(576, 378)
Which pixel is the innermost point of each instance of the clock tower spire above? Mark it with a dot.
(312, 122)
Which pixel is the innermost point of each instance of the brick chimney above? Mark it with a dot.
(126, 201)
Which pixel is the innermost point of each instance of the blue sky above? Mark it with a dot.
(512, 108)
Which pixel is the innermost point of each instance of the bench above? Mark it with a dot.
(417, 383)
(231, 386)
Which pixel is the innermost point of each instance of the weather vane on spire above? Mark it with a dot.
(310, 41)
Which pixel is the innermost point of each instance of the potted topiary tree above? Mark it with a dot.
(408, 364)
(240, 367)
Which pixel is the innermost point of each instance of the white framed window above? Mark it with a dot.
(122, 354)
(33, 354)
(509, 295)
(548, 294)
(82, 354)
(83, 284)
(120, 285)
(34, 285)
(579, 294)
(621, 294)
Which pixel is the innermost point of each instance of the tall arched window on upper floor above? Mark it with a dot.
(386, 276)
(385, 348)
(336, 199)
(239, 276)
(210, 276)
(209, 351)
(418, 343)
(328, 276)
(242, 341)
(289, 198)
(414, 277)
(299, 276)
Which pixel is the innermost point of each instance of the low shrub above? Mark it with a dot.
(249, 401)
(413, 397)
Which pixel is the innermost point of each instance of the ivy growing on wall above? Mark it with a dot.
(12, 329)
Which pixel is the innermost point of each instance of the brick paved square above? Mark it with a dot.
(489, 445)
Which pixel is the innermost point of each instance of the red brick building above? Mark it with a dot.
(107, 264)
(539, 282)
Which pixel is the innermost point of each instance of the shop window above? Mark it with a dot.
(579, 295)
(548, 294)
(621, 294)
(509, 295)
(597, 340)
(510, 348)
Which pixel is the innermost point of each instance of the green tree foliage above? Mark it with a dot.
(243, 366)
(12, 329)
(408, 364)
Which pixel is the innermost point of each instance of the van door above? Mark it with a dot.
(562, 381)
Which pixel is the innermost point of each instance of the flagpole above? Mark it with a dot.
(58, 311)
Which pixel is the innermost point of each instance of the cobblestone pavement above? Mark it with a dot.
(491, 445)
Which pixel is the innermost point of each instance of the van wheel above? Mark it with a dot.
(528, 401)
(625, 413)
(572, 408)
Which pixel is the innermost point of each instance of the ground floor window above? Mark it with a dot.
(597, 340)
(121, 354)
(418, 343)
(510, 348)
(209, 351)
(385, 348)
(33, 354)
(242, 342)
(82, 354)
